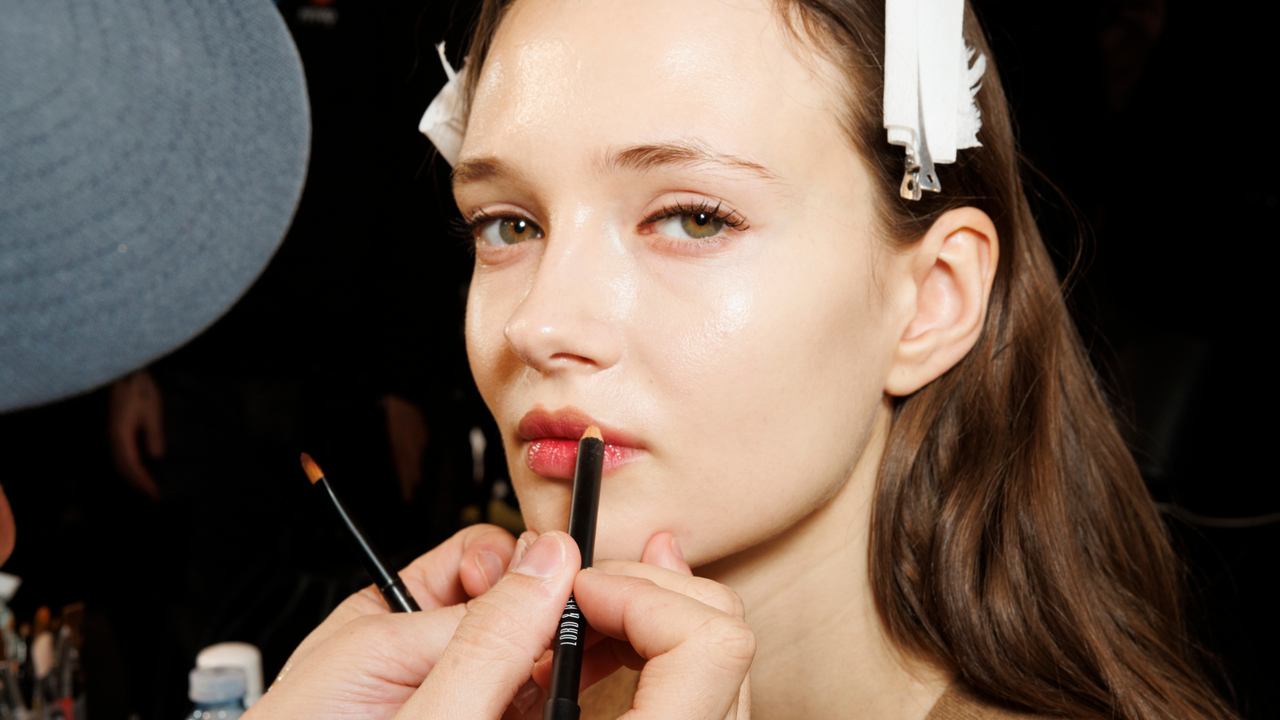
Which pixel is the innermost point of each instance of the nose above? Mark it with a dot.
(565, 323)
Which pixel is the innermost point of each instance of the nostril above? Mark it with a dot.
(573, 358)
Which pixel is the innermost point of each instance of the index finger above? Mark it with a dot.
(504, 631)
(697, 656)
(462, 567)
(701, 589)
(437, 579)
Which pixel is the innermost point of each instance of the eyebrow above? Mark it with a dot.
(470, 171)
(686, 154)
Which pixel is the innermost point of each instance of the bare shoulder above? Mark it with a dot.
(611, 697)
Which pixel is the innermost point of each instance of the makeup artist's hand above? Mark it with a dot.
(687, 635)
(450, 660)
(136, 408)
(475, 661)
(462, 567)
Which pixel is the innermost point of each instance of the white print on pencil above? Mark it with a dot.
(568, 627)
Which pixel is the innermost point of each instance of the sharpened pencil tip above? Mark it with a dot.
(311, 468)
(593, 432)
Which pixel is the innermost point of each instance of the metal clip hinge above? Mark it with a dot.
(920, 173)
(918, 177)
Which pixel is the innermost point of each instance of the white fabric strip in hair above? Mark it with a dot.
(929, 86)
(443, 123)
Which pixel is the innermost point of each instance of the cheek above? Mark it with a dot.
(767, 379)
(784, 340)
(488, 307)
(699, 341)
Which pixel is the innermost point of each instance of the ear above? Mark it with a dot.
(952, 268)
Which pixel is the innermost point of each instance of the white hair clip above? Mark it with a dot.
(443, 122)
(929, 87)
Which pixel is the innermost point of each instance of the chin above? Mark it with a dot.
(621, 534)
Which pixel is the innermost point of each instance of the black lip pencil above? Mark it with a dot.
(566, 659)
(388, 582)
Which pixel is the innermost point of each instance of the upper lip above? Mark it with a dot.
(568, 423)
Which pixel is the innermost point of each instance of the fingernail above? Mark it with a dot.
(675, 547)
(490, 567)
(544, 559)
(522, 546)
(526, 697)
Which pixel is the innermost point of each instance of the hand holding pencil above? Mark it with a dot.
(465, 657)
(492, 656)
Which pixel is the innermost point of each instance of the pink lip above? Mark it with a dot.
(552, 438)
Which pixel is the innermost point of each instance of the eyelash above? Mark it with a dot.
(730, 217)
(468, 226)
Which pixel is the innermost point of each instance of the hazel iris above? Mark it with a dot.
(700, 225)
(516, 231)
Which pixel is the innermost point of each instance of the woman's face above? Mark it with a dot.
(675, 242)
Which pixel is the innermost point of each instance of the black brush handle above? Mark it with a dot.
(387, 582)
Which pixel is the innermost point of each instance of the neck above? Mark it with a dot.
(821, 650)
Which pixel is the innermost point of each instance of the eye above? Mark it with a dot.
(502, 231)
(694, 225)
(699, 220)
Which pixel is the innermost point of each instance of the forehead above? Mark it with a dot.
(571, 79)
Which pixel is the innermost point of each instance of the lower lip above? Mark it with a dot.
(556, 458)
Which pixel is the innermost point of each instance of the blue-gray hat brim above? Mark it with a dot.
(152, 153)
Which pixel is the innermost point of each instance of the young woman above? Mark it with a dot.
(865, 422)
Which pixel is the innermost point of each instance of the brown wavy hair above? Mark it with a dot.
(1013, 541)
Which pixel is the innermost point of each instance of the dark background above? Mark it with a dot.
(1148, 121)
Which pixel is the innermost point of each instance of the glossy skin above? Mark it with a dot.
(747, 367)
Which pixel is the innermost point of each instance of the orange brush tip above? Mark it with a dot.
(593, 432)
(311, 468)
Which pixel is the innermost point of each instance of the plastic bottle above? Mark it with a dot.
(218, 693)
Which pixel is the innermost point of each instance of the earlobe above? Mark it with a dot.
(952, 271)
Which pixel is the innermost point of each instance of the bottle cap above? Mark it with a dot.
(236, 654)
(8, 586)
(216, 685)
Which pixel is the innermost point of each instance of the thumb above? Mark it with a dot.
(503, 634)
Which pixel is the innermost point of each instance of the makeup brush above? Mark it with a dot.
(566, 659)
(388, 582)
